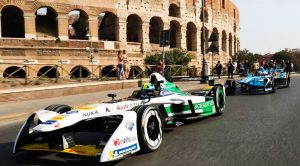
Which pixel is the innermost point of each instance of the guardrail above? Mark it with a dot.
(35, 73)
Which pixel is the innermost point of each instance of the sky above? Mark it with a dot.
(269, 26)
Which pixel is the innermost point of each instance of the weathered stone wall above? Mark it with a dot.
(223, 18)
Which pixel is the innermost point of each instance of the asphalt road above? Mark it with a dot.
(261, 129)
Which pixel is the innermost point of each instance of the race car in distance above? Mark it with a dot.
(281, 78)
(262, 82)
(116, 129)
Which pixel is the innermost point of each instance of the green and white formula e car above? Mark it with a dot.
(116, 129)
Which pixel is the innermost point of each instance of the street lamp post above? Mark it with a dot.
(90, 50)
(204, 63)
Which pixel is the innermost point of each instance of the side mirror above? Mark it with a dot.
(112, 95)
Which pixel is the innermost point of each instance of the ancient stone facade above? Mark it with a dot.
(46, 32)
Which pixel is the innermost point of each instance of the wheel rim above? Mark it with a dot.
(152, 129)
(221, 101)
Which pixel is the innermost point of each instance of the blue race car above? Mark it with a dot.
(281, 77)
(261, 82)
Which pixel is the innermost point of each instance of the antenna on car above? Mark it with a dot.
(112, 95)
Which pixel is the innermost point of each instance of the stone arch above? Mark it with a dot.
(48, 71)
(174, 10)
(109, 71)
(205, 16)
(78, 24)
(230, 45)
(175, 34)
(108, 26)
(191, 37)
(12, 22)
(134, 28)
(204, 39)
(156, 26)
(135, 71)
(80, 72)
(15, 72)
(46, 22)
(224, 41)
(235, 46)
(215, 41)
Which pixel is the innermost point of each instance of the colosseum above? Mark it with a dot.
(39, 34)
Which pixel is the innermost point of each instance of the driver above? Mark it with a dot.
(147, 88)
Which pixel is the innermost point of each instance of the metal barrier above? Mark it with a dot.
(71, 72)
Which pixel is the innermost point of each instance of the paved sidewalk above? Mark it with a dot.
(20, 110)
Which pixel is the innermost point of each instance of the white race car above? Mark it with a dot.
(116, 129)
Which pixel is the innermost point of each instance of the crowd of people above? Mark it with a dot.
(243, 67)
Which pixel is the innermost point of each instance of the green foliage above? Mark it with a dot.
(173, 57)
(247, 55)
(286, 55)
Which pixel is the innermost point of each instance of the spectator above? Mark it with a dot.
(288, 67)
(120, 65)
(235, 65)
(246, 67)
(256, 65)
(282, 64)
(242, 69)
(159, 67)
(263, 63)
(126, 66)
(218, 69)
(230, 69)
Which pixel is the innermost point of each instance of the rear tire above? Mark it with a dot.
(219, 100)
(231, 87)
(149, 127)
(59, 108)
(273, 86)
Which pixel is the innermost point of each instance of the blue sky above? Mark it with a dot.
(268, 26)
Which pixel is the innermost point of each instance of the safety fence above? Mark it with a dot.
(38, 73)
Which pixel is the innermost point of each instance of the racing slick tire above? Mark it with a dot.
(219, 100)
(288, 81)
(230, 87)
(273, 86)
(149, 127)
(59, 108)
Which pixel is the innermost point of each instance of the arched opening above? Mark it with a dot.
(205, 16)
(156, 26)
(191, 37)
(135, 71)
(204, 39)
(230, 45)
(12, 22)
(215, 40)
(48, 71)
(235, 46)
(224, 41)
(174, 10)
(80, 72)
(14, 72)
(78, 25)
(108, 23)
(234, 27)
(46, 22)
(108, 71)
(134, 29)
(175, 34)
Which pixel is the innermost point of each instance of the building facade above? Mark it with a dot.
(45, 32)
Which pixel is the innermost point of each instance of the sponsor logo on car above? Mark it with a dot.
(123, 151)
(91, 113)
(204, 105)
(129, 125)
(50, 122)
(57, 118)
(72, 112)
(118, 142)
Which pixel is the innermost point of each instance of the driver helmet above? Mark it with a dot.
(147, 88)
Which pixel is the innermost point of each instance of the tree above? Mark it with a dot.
(247, 55)
(172, 57)
(286, 55)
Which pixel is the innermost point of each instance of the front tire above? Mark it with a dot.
(149, 127)
(219, 100)
(59, 108)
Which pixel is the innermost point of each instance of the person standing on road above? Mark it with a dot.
(246, 67)
(218, 69)
(230, 69)
(256, 66)
(126, 66)
(288, 67)
(120, 65)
